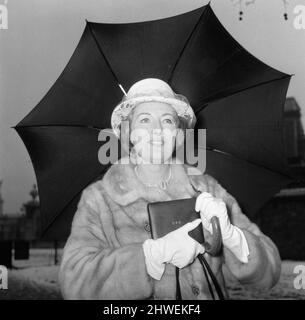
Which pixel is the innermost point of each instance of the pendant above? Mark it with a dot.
(163, 185)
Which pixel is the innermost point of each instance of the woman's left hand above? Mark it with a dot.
(232, 237)
(209, 207)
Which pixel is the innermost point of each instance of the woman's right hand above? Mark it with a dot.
(177, 247)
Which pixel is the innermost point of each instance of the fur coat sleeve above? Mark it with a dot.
(94, 265)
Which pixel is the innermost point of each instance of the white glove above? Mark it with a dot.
(177, 247)
(232, 237)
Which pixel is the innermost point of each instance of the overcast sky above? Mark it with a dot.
(42, 35)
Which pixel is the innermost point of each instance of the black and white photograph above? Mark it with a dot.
(152, 150)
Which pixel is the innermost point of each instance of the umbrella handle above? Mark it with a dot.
(214, 247)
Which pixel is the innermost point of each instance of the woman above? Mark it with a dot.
(110, 253)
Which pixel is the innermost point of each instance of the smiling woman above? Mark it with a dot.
(110, 253)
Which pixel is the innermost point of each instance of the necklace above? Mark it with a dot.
(162, 184)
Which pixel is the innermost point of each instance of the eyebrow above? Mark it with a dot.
(142, 113)
(168, 114)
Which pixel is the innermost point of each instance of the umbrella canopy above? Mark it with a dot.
(238, 98)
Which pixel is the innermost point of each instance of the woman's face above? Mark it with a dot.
(153, 131)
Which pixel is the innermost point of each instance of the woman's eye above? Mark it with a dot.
(168, 121)
(144, 120)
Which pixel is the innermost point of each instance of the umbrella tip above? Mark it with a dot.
(122, 89)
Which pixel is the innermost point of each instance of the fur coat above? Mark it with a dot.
(103, 257)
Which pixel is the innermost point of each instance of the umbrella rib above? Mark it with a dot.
(105, 58)
(59, 125)
(250, 162)
(185, 46)
(239, 91)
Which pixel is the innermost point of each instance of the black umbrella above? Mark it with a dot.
(238, 98)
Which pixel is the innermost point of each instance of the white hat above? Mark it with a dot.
(147, 90)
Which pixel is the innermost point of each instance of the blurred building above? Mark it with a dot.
(294, 139)
(21, 227)
(283, 217)
(1, 200)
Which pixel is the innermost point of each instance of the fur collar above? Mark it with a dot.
(123, 186)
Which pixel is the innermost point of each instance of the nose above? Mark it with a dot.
(156, 132)
(157, 127)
